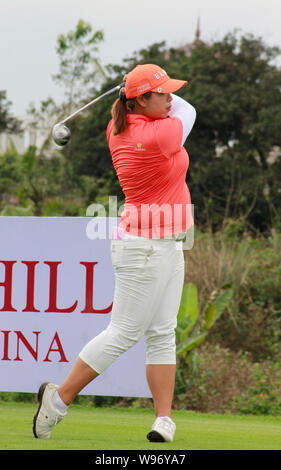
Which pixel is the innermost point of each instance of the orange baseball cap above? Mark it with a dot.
(150, 77)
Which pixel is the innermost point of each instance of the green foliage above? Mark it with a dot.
(61, 207)
(223, 381)
(190, 333)
(8, 123)
(233, 135)
(16, 211)
(9, 171)
(34, 180)
(27, 181)
(247, 332)
(253, 321)
(188, 311)
(79, 64)
(192, 329)
(17, 397)
(234, 146)
(264, 397)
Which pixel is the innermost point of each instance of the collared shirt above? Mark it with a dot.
(151, 166)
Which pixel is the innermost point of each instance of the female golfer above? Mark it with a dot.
(145, 136)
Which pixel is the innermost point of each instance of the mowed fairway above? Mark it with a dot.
(88, 428)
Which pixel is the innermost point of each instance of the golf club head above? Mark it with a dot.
(61, 134)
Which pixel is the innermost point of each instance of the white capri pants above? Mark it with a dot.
(149, 277)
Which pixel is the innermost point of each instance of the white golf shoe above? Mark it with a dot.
(47, 416)
(163, 430)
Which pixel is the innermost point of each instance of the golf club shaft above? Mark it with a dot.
(91, 103)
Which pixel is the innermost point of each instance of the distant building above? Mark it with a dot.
(188, 48)
(31, 135)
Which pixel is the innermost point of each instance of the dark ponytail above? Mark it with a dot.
(119, 111)
(119, 115)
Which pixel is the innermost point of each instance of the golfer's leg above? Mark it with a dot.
(160, 338)
(134, 296)
(161, 381)
(79, 376)
(135, 289)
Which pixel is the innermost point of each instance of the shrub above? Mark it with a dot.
(59, 207)
(264, 396)
(252, 320)
(220, 380)
(211, 380)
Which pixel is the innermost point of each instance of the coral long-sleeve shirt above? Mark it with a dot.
(151, 165)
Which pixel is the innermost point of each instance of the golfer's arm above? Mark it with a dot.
(185, 112)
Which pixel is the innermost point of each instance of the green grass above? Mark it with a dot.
(88, 428)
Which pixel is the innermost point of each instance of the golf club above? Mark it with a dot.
(61, 133)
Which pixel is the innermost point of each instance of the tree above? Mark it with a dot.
(30, 180)
(79, 64)
(41, 179)
(235, 87)
(7, 122)
(10, 175)
(234, 147)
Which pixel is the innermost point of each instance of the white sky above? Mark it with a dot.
(29, 31)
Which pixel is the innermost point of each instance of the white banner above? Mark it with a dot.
(56, 293)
